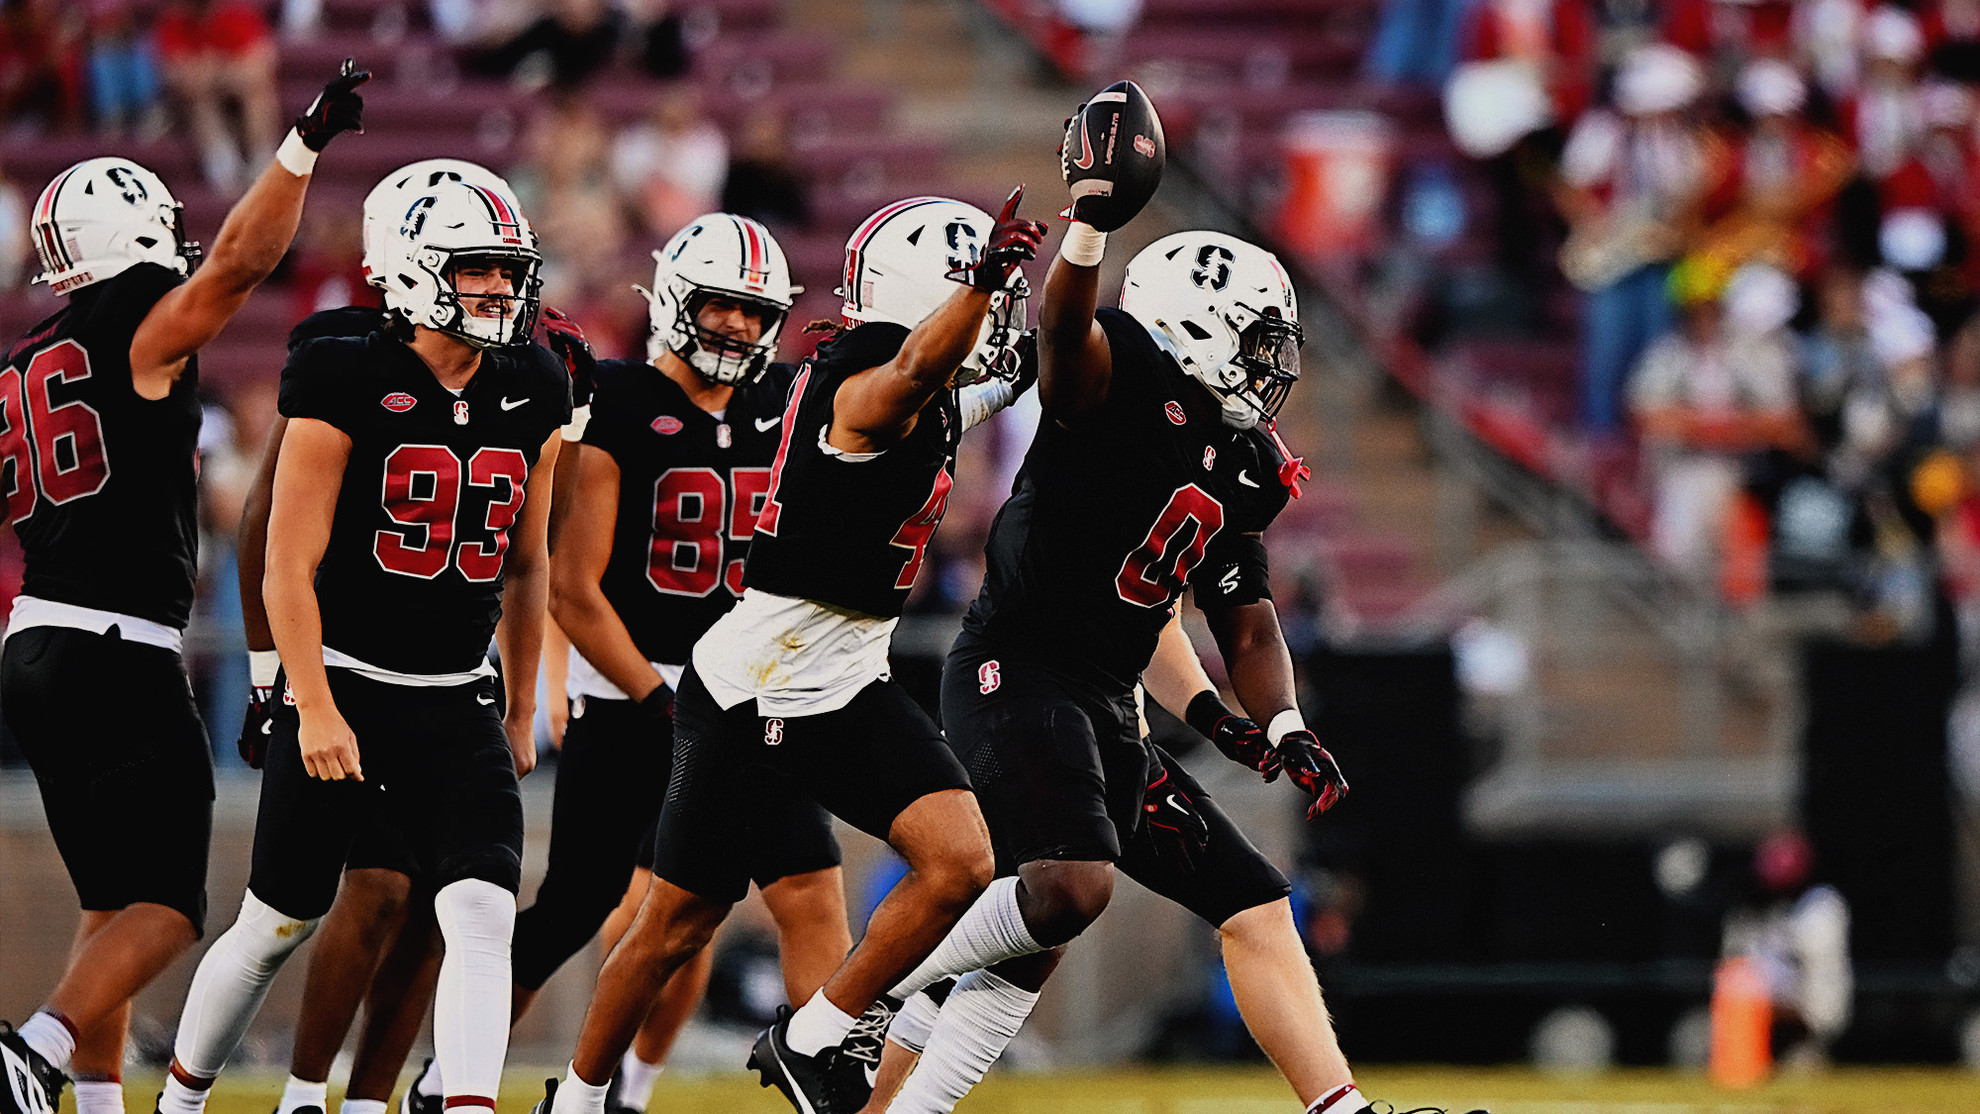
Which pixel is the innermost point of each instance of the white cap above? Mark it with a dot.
(1912, 239)
(1760, 299)
(1771, 87)
(1657, 78)
(1893, 34)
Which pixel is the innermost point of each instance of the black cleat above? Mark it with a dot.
(549, 1098)
(615, 1102)
(33, 1086)
(1379, 1107)
(807, 1081)
(858, 1064)
(412, 1102)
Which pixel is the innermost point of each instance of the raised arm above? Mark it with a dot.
(252, 241)
(1075, 364)
(876, 408)
(525, 600)
(308, 476)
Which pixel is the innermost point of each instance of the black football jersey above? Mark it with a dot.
(412, 578)
(1109, 521)
(346, 321)
(101, 484)
(852, 533)
(690, 488)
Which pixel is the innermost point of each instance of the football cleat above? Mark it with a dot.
(1379, 1107)
(807, 1081)
(415, 1103)
(33, 1084)
(615, 1102)
(859, 1054)
(549, 1099)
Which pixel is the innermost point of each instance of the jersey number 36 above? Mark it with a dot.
(54, 450)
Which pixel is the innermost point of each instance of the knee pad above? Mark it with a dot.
(266, 936)
(476, 916)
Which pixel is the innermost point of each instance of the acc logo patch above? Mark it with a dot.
(1175, 412)
(398, 402)
(988, 679)
(666, 424)
(773, 732)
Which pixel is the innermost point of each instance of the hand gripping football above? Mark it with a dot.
(1112, 156)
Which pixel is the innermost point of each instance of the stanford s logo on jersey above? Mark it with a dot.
(1175, 412)
(460, 412)
(1209, 457)
(398, 402)
(666, 425)
(987, 678)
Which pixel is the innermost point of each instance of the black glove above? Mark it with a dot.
(256, 726)
(659, 703)
(1174, 823)
(1241, 740)
(1312, 769)
(1011, 242)
(337, 109)
(562, 336)
(1024, 371)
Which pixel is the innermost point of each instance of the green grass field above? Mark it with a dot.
(1253, 1091)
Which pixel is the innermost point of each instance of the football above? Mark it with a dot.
(1112, 156)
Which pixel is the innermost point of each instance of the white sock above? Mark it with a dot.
(636, 1078)
(298, 1093)
(914, 1022)
(178, 1098)
(575, 1096)
(992, 931)
(978, 1021)
(99, 1096)
(471, 1002)
(1345, 1099)
(429, 1082)
(228, 988)
(361, 1106)
(816, 1026)
(50, 1036)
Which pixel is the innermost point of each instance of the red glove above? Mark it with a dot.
(1011, 242)
(1312, 769)
(562, 336)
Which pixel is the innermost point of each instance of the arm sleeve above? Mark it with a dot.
(980, 400)
(1234, 571)
(312, 388)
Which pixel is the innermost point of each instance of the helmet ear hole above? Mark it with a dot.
(1196, 332)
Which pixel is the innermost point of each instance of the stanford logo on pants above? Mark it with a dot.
(773, 732)
(988, 678)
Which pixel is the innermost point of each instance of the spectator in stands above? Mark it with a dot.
(1633, 179)
(14, 246)
(1416, 41)
(1784, 175)
(1556, 37)
(568, 183)
(1884, 119)
(1836, 360)
(1717, 389)
(671, 165)
(1827, 35)
(41, 66)
(123, 71)
(218, 58)
(762, 182)
(571, 41)
(1727, 33)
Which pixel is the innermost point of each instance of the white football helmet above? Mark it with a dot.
(442, 227)
(1225, 310)
(101, 216)
(718, 255)
(896, 256)
(385, 206)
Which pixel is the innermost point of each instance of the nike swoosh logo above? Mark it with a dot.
(507, 405)
(1245, 479)
(872, 1075)
(763, 424)
(1175, 804)
(484, 701)
(268, 727)
(1085, 159)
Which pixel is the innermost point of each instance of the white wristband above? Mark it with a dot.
(1283, 724)
(1083, 245)
(262, 665)
(295, 156)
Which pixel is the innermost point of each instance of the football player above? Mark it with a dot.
(793, 681)
(373, 899)
(407, 528)
(1156, 470)
(101, 427)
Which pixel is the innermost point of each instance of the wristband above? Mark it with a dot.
(1283, 724)
(659, 702)
(1083, 245)
(574, 429)
(295, 155)
(262, 667)
(1204, 711)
